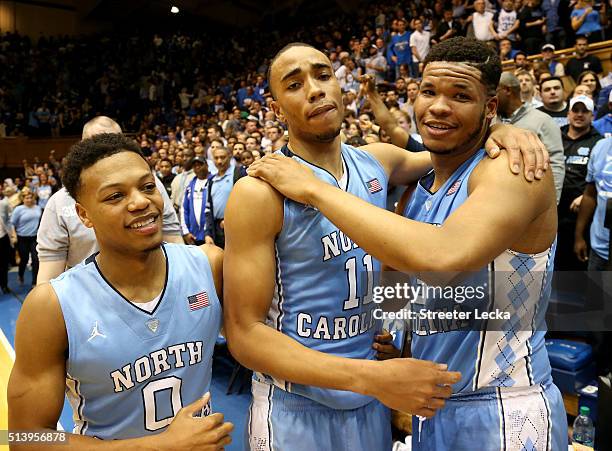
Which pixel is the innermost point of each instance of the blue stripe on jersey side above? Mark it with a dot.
(548, 419)
(535, 314)
(502, 418)
(484, 329)
(79, 409)
(250, 427)
(279, 288)
(270, 391)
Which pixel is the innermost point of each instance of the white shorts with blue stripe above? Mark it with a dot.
(283, 421)
(504, 419)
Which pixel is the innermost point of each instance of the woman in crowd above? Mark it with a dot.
(25, 220)
(590, 79)
(44, 190)
(586, 20)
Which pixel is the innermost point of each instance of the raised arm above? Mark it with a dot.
(253, 218)
(384, 118)
(470, 238)
(37, 382)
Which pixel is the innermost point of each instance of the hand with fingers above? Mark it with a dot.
(581, 249)
(385, 349)
(367, 85)
(189, 238)
(575, 205)
(189, 432)
(520, 144)
(290, 178)
(418, 387)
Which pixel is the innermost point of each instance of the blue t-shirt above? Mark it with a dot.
(600, 173)
(400, 47)
(26, 220)
(220, 191)
(604, 125)
(591, 22)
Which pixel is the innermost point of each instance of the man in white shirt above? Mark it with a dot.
(481, 21)
(419, 44)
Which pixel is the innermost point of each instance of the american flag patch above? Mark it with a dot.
(197, 301)
(374, 186)
(453, 189)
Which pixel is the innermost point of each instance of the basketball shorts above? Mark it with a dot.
(505, 419)
(283, 421)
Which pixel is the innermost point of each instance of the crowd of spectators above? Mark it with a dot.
(203, 97)
(188, 79)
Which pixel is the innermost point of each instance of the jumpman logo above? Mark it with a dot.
(95, 332)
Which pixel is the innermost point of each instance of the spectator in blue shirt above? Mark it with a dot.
(44, 190)
(594, 205)
(219, 189)
(586, 21)
(25, 220)
(604, 124)
(401, 53)
(196, 216)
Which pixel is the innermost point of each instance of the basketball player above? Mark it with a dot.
(63, 241)
(299, 291)
(468, 214)
(129, 333)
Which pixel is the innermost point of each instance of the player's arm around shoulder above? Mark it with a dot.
(37, 381)
(492, 175)
(402, 167)
(502, 211)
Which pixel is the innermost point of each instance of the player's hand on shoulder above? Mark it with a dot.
(418, 387)
(190, 432)
(522, 146)
(290, 178)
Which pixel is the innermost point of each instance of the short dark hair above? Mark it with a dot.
(581, 36)
(88, 152)
(165, 160)
(471, 52)
(277, 56)
(552, 79)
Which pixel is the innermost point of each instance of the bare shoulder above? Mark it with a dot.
(253, 201)
(380, 149)
(494, 173)
(41, 318)
(254, 187)
(213, 253)
(42, 299)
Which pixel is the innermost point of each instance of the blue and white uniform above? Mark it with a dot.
(323, 300)
(506, 399)
(130, 371)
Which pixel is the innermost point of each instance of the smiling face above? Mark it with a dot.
(579, 116)
(308, 96)
(119, 199)
(452, 109)
(590, 81)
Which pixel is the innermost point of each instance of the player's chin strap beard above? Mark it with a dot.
(475, 140)
(328, 137)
